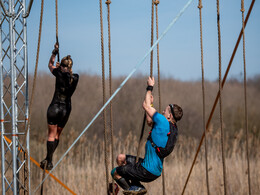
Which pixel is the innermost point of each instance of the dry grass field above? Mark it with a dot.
(83, 169)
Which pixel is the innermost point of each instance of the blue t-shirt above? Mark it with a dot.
(152, 162)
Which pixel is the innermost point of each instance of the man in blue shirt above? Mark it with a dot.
(129, 173)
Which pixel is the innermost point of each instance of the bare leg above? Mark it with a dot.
(58, 133)
(57, 137)
(52, 132)
(122, 182)
(120, 160)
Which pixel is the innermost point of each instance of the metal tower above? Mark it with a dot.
(15, 160)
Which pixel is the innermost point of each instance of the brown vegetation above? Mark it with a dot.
(127, 105)
(83, 169)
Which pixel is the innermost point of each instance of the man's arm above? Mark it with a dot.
(149, 120)
(147, 104)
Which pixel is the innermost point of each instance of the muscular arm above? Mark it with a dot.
(148, 101)
(148, 108)
(149, 120)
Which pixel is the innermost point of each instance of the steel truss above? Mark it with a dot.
(14, 99)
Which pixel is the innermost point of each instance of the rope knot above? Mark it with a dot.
(200, 6)
(156, 2)
(242, 10)
(108, 2)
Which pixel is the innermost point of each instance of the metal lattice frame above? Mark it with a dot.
(14, 99)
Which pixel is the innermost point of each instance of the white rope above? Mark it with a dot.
(118, 89)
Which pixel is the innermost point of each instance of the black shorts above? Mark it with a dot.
(135, 171)
(58, 114)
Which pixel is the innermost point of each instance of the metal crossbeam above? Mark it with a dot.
(14, 98)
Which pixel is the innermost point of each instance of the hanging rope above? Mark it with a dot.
(104, 93)
(140, 138)
(108, 2)
(34, 81)
(245, 96)
(203, 95)
(56, 14)
(156, 2)
(152, 24)
(217, 97)
(32, 98)
(151, 74)
(220, 101)
(57, 39)
(35, 71)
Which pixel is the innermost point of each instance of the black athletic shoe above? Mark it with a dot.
(42, 163)
(138, 190)
(49, 165)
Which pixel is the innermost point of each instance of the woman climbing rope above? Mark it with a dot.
(60, 107)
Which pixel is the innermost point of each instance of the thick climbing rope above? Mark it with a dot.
(152, 26)
(156, 2)
(245, 97)
(151, 74)
(57, 30)
(34, 79)
(104, 93)
(35, 70)
(32, 95)
(217, 97)
(110, 91)
(203, 95)
(141, 137)
(220, 102)
(138, 65)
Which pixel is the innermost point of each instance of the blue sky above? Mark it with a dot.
(79, 36)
